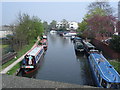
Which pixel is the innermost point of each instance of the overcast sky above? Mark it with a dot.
(46, 11)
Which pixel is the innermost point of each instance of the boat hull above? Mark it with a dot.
(94, 74)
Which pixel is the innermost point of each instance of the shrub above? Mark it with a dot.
(115, 43)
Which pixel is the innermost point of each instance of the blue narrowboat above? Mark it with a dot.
(31, 60)
(104, 73)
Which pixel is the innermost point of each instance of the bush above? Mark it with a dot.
(115, 43)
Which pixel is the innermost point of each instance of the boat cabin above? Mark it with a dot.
(32, 57)
(78, 46)
(88, 46)
(77, 39)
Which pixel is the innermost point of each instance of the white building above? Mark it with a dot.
(73, 25)
(68, 25)
(119, 11)
(4, 31)
(60, 24)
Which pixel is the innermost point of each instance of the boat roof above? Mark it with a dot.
(88, 44)
(106, 69)
(78, 42)
(78, 38)
(43, 41)
(34, 51)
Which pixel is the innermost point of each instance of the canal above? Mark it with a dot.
(61, 63)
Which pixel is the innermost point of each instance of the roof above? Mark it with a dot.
(77, 38)
(107, 71)
(35, 50)
(88, 44)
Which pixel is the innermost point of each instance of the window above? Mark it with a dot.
(99, 77)
(116, 86)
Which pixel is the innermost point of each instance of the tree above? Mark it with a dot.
(82, 26)
(53, 24)
(103, 25)
(64, 23)
(45, 25)
(100, 20)
(100, 5)
(26, 31)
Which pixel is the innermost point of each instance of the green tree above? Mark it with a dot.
(52, 24)
(46, 27)
(82, 26)
(104, 6)
(26, 31)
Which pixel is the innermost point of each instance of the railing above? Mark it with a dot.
(8, 56)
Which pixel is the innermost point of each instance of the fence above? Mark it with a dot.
(8, 56)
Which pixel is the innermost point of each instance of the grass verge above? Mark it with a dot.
(13, 70)
(116, 65)
(3, 46)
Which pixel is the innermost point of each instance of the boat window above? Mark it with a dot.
(91, 59)
(115, 85)
(94, 68)
(99, 77)
(97, 73)
(44, 43)
(104, 83)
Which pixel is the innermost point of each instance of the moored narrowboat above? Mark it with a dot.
(78, 46)
(31, 60)
(87, 47)
(77, 39)
(72, 37)
(104, 74)
(44, 43)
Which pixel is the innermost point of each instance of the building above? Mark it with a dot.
(118, 18)
(67, 25)
(73, 25)
(5, 30)
(119, 11)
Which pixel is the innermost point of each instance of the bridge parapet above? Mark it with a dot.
(9, 81)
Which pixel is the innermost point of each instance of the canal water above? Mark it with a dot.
(62, 64)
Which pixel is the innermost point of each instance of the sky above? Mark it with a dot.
(46, 11)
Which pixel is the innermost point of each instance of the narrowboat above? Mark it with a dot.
(72, 37)
(44, 43)
(77, 39)
(53, 32)
(69, 34)
(44, 37)
(78, 46)
(104, 74)
(31, 60)
(88, 46)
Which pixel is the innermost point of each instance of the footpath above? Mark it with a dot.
(5, 70)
